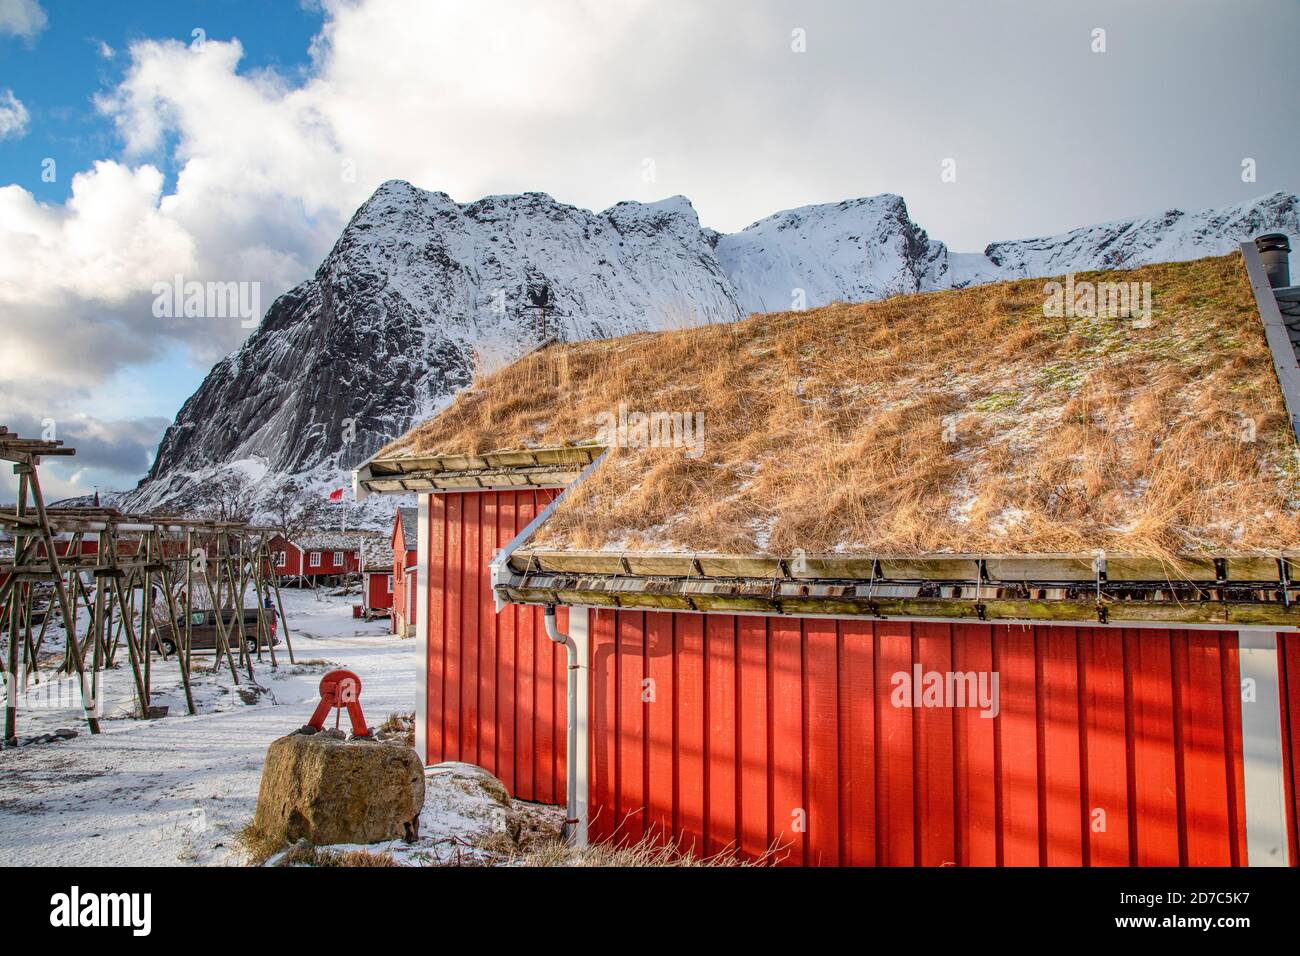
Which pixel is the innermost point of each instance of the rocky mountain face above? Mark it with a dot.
(417, 293)
(420, 291)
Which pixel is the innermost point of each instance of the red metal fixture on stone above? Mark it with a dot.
(338, 690)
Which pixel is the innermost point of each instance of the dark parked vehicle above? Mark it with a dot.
(203, 631)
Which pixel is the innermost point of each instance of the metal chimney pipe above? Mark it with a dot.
(1275, 252)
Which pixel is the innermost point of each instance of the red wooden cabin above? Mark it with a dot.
(832, 704)
(318, 554)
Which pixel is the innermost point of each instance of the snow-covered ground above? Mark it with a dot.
(175, 791)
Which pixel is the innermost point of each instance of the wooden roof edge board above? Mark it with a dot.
(131, 525)
(1009, 569)
(535, 475)
(1275, 332)
(1123, 613)
(501, 458)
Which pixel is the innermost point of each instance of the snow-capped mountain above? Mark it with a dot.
(851, 251)
(1172, 236)
(419, 291)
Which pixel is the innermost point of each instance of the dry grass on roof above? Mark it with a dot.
(951, 421)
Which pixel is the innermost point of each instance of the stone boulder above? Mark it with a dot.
(326, 790)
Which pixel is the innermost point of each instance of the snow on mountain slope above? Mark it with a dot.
(420, 291)
(1172, 236)
(851, 251)
(417, 293)
(863, 249)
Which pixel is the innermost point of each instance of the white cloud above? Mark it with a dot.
(75, 278)
(13, 116)
(571, 98)
(23, 18)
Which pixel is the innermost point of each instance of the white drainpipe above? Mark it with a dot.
(578, 645)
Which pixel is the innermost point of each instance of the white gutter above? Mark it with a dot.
(499, 565)
(359, 491)
(578, 643)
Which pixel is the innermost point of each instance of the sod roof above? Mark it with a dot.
(959, 421)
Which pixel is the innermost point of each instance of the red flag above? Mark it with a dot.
(336, 494)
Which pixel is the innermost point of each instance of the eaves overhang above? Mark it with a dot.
(1229, 591)
(553, 467)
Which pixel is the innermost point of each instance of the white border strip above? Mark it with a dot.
(579, 633)
(498, 563)
(422, 630)
(1261, 747)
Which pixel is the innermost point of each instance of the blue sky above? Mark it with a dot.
(58, 74)
(226, 163)
(82, 52)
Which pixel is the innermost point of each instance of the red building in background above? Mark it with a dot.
(377, 578)
(405, 575)
(319, 556)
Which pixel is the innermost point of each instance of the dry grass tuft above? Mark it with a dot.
(400, 726)
(962, 420)
(645, 853)
(303, 854)
(257, 845)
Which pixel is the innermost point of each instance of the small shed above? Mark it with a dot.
(405, 571)
(376, 577)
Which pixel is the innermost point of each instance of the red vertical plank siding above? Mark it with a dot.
(1154, 764)
(752, 727)
(1062, 793)
(489, 701)
(631, 726)
(660, 742)
(718, 732)
(546, 725)
(1105, 746)
(507, 647)
(602, 629)
(1235, 772)
(720, 780)
(935, 836)
(471, 623)
(1016, 662)
(526, 629)
(688, 699)
(1288, 663)
(1205, 785)
(857, 744)
(489, 652)
(975, 793)
(560, 710)
(895, 763)
(789, 809)
(822, 753)
(436, 637)
(453, 644)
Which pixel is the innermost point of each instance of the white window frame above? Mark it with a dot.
(338, 558)
(390, 584)
(282, 559)
(313, 560)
